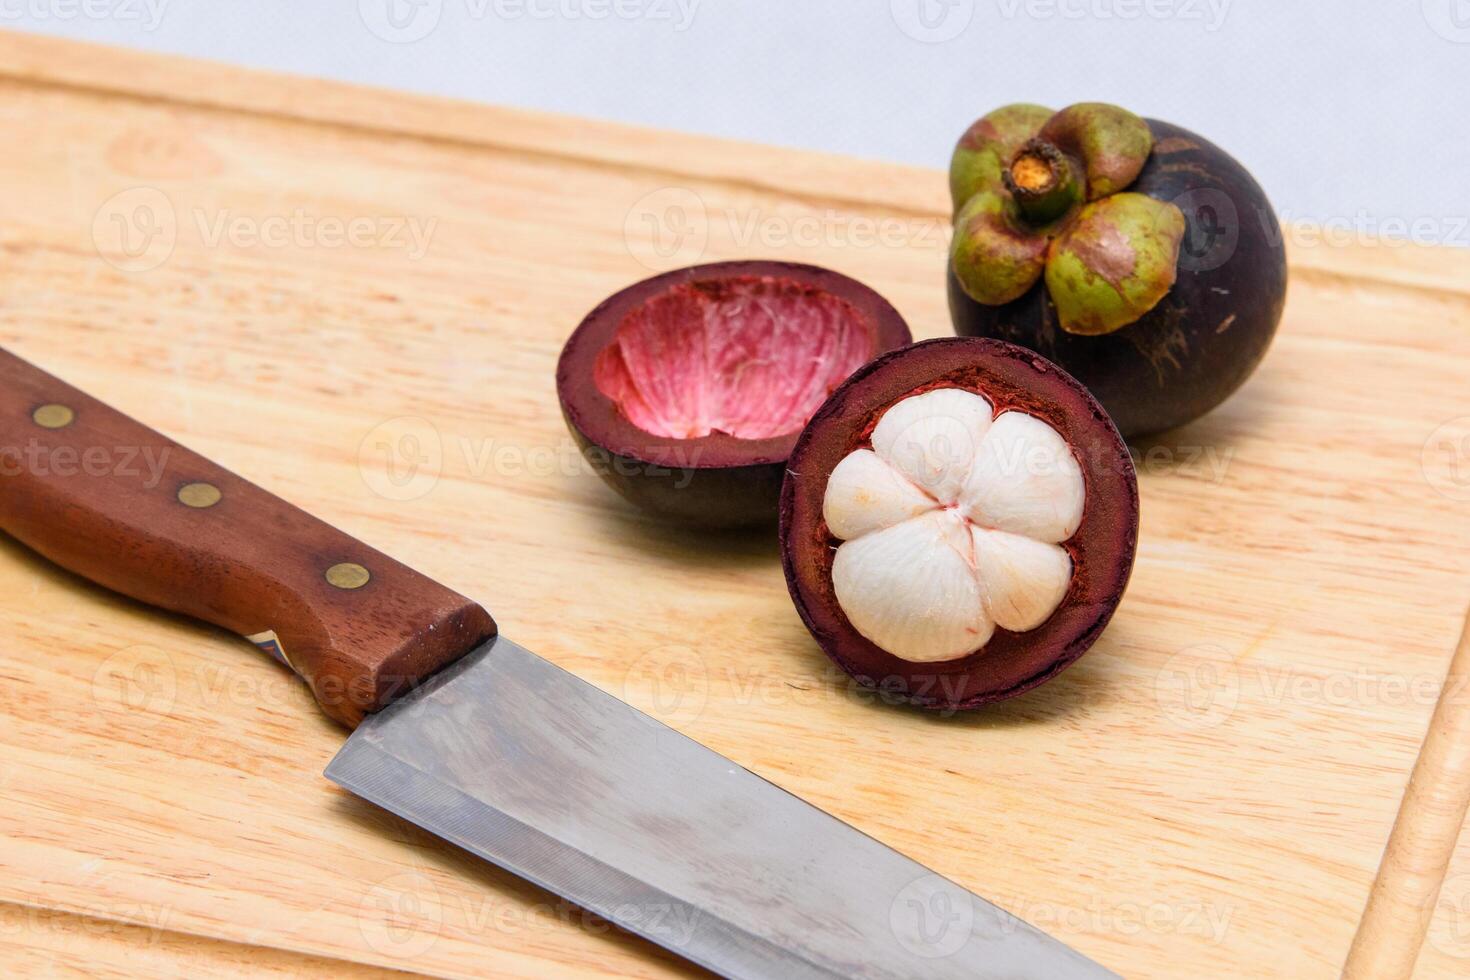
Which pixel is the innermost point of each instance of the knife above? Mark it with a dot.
(482, 742)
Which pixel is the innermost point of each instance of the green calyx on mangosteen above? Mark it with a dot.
(1138, 256)
(1043, 194)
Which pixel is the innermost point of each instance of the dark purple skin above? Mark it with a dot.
(713, 497)
(718, 481)
(1102, 550)
(1205, 338)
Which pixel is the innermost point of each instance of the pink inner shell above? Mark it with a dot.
(752, 357)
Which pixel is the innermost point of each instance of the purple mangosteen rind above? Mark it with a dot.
(1204, 337)
(714, 481)
(708, 497)
(1102, 551)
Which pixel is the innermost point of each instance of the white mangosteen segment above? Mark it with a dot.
(932, 438)
(951, 526)
(865, 494)
(1024, 579)
(1025, 480)
(911, 588)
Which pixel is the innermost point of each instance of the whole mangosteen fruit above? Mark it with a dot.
(686, 392)
(1140, 257)
(958, 523)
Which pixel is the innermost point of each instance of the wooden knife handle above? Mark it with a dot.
(110, 499)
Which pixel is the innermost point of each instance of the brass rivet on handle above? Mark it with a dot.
(199, 495)
(348, 575)
(53, 416)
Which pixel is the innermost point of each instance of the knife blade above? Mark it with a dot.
(518, 761)
(485, 744)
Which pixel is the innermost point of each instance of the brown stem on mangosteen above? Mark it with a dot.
(1043, 182)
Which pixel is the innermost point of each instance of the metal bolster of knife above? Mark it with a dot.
(113, 501)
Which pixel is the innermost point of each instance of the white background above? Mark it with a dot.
(1355, 113)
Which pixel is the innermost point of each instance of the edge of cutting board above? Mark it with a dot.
(1392, 928)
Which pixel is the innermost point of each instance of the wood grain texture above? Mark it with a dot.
(1405, 897)
(1446, 949)
(107, 497)
(1210, 790)
(56, 943)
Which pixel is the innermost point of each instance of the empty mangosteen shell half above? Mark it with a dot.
(1208, 334)
(717, 480)
(1102, 550)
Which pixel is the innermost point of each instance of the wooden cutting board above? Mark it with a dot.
(1208, 793)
